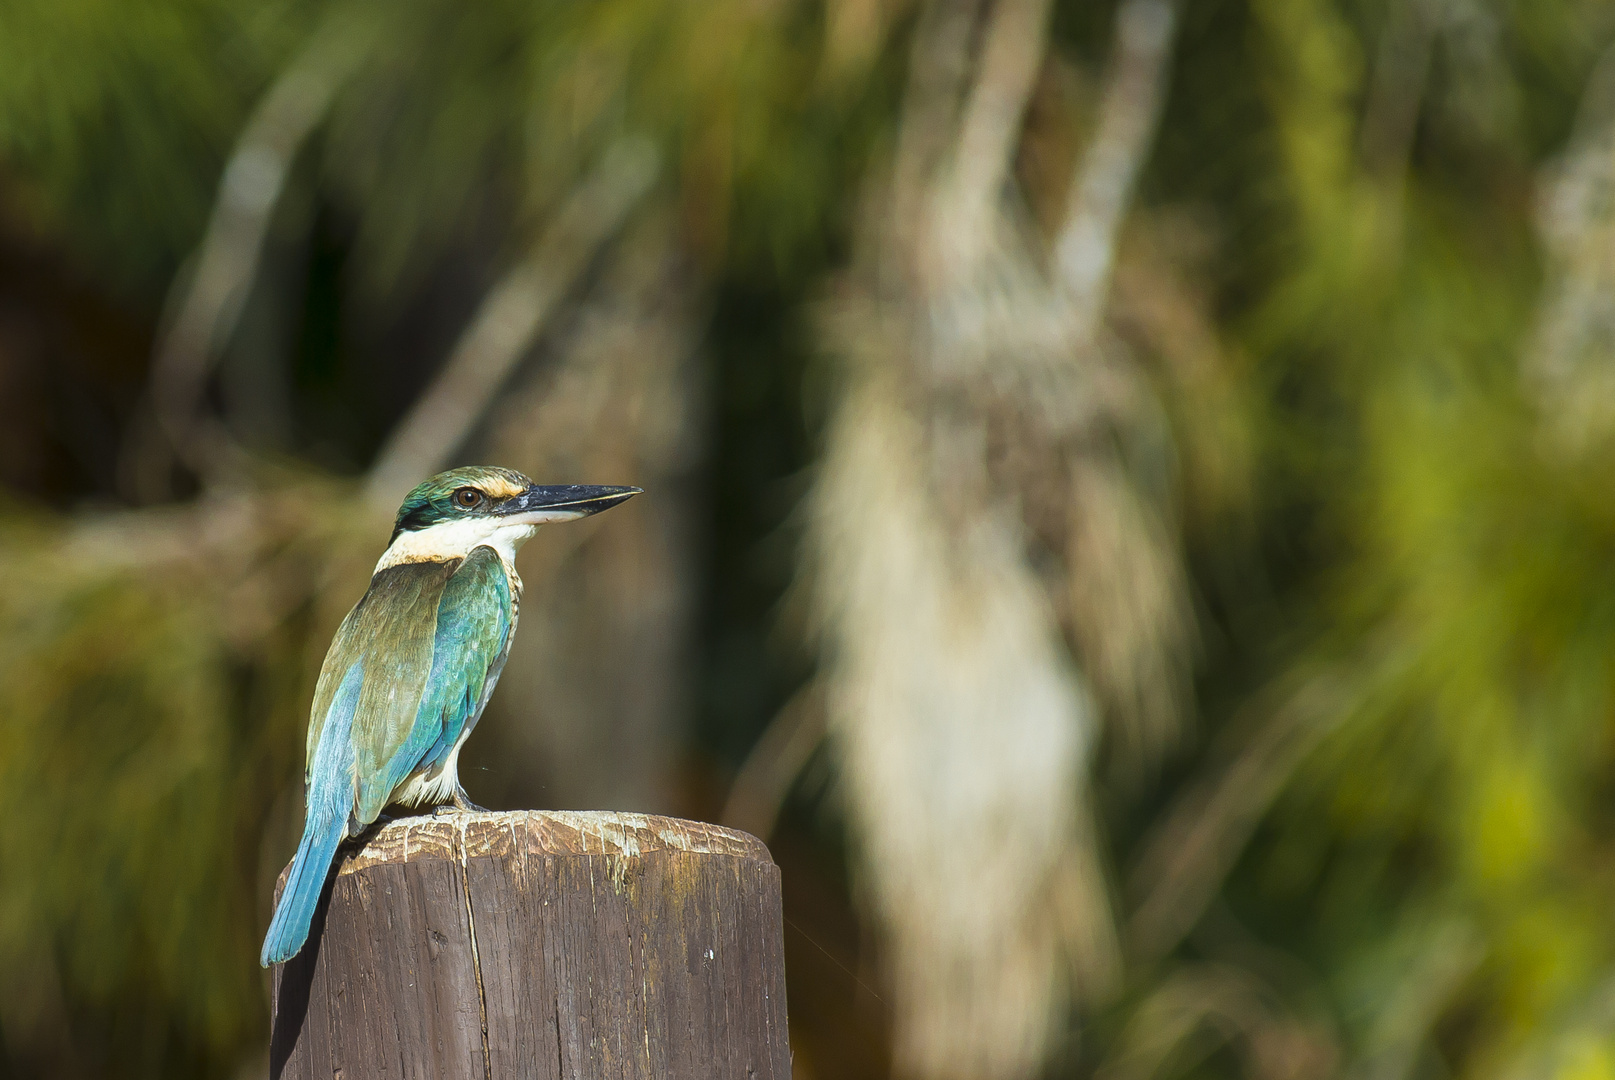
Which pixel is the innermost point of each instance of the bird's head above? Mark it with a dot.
(455, 511)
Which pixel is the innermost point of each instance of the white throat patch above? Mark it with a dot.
(455, 539)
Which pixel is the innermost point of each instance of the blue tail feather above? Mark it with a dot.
(330, 802)
(288, 930)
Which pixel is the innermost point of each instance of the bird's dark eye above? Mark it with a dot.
(467, 497)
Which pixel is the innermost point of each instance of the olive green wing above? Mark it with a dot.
(390, 634)
(475, 620)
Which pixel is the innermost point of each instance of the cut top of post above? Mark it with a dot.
(461, 836)
(548, 944)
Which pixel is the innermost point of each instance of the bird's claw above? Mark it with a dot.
(459, 803)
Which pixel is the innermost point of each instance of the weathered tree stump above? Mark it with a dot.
(540, 945)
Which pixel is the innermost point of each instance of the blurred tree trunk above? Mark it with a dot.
(993, 560)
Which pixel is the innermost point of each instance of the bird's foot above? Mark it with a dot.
(461, 803)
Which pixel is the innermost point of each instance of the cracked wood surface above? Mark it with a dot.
(560, 945)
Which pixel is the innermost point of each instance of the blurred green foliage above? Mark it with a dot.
(153, 681)
(151, 93)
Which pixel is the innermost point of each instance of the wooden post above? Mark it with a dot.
(552, 946)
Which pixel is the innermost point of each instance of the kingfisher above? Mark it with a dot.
(413, 664)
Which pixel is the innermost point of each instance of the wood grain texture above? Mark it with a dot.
(553, 946)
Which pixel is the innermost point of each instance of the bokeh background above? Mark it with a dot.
(1130, 505)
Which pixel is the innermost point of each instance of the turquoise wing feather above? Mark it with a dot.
(391, 633)
(475, 623)
(471, 637)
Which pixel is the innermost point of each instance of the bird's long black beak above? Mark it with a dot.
(565, 502)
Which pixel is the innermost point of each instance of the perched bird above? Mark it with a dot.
(412, 665)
